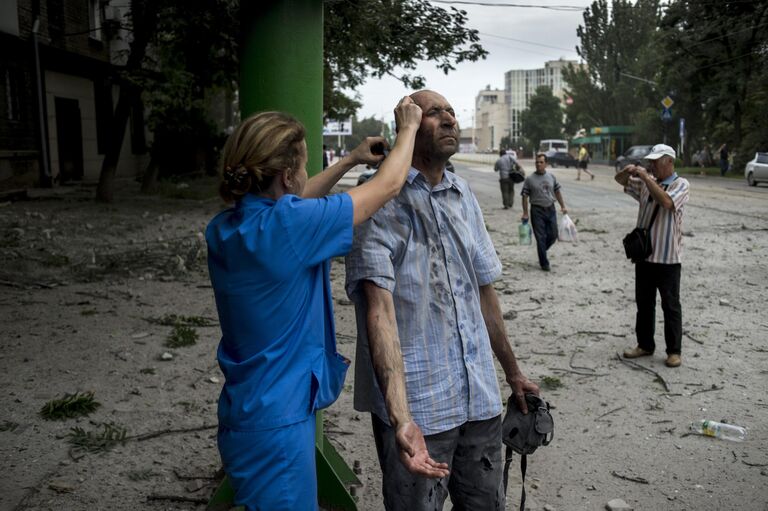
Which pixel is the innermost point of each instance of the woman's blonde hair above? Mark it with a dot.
(261, 147)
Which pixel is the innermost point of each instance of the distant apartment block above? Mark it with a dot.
(491, 119)
(520, 84)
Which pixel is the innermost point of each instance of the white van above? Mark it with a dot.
(553, 145)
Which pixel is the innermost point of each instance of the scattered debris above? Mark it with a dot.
(618, 505)
(551, 383)
(97, 441)
(635, 365)
(69, 406)
(181, 336)
(61, 486)
(166, 356)
(640, 480)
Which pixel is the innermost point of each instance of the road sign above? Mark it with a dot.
(343, 127)
(666, 114)
(667, 102)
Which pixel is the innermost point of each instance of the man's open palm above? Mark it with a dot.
(414, 454)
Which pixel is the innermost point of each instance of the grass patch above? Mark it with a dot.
(551, 383)
(141, 474)
(708, 171)
(181, 336)
(69, 406)
(99, 440)
(197, 188)
(178, 319)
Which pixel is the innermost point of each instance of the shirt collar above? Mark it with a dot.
(449, 181)
(250, 200)
(669, 180)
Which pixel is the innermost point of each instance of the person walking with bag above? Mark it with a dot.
(510, 173)
(583, 161)
(542, 189)
(662, 196)
(269, 263)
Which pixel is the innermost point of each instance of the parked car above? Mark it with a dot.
(632, 156)
(555, 158)
(370, 171)
(756, 170)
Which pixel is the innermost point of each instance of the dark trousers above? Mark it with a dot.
(544, 223)
(473, 454)
(507, 192)
(650, 277)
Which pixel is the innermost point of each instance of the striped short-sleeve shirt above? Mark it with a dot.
(429, 247)
(667, 228)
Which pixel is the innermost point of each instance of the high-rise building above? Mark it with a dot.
(520, 84)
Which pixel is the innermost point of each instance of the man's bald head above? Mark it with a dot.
(438, 135)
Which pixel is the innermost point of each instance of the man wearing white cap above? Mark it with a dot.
(662, 195)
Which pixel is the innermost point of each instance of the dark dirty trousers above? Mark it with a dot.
(473, 454)
(507, 192)
(650, 277)
(544, 223)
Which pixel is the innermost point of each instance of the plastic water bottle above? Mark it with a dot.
(719, 430)
(524, 231)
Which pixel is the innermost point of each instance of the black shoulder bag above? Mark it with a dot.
(523, 434)
(637, 244)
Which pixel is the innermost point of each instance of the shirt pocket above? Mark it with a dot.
(328, 375)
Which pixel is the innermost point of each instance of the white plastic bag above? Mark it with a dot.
(567, 230)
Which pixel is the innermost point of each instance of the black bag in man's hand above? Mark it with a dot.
(525, 433)
(637, 244)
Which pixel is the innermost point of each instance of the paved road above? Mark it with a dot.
(729, 196)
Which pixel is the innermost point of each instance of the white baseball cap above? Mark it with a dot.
(660, 150)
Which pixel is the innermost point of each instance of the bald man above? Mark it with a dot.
(421, 275)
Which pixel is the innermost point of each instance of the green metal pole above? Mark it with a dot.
(281, 64)
(281, 68)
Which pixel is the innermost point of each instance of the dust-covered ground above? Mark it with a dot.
(87, 290)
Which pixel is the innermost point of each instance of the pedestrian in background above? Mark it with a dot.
(505, 166)
(724, 164)
(421, 274)
(583, 161)
(269, 264)
(541, 188)
(664, 192)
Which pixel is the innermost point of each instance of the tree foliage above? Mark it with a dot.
(375, 38)
(183, 54)
(714, 57)
(614, 44)
(710, 57)
(543, 118)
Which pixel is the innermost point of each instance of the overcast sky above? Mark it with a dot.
(554, 33)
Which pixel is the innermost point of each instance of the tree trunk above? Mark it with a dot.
(144, 24)
(149, 181)
(106, 188)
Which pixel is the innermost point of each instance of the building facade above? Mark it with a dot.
(58, 89)
(491, 119)
(521, 84)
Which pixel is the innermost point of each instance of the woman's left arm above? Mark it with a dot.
(320, 184)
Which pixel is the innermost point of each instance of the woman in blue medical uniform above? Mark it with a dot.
(269, 260)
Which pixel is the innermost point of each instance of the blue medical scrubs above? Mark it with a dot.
(269, 263)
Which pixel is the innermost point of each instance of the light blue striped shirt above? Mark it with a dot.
(430, 249)
(667, 228)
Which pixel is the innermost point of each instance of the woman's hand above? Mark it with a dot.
(369, 152)
(407, 114)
